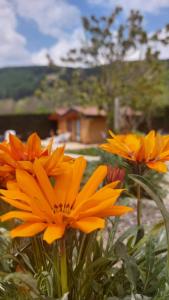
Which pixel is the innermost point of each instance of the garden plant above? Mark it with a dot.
(63, 237)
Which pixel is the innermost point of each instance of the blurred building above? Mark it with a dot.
(85, 124)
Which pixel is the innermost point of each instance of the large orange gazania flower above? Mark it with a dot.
(16, 154)
(151, 149)
(54, 209)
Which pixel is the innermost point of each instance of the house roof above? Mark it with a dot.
(89, 111)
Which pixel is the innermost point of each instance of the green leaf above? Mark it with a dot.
(132, 270)
(147, 186)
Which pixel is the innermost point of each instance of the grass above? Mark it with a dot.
(93, 151)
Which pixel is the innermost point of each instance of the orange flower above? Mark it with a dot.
(54, 209)
(151, 149)
(16, 154)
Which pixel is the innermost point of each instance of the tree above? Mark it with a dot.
(110, 43)
(58, 89)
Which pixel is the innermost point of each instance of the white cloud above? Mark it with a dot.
(151, 6)
(53, 17)
(12, 44)
(64, 15)
(139, 54)
(60, 49)
(164, 50)
(56, 18)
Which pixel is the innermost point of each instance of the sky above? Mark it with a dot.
(32, 28)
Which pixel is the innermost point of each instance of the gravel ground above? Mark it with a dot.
(87, 157)
(150, 213)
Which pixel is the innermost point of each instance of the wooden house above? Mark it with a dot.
(85, 124)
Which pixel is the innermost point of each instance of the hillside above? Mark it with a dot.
(19, 82)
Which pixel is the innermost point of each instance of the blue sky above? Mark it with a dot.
(32, 28)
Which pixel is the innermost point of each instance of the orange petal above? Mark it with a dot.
(16, 203)
(164, 155)
(53, 232)
(115, 149)
(76, 176)
(5, 158)
(158, 166)
(16, 195)
(97, 210)
(33, 146)
(88, 225)
(68, 183)
(132, 141)
(12, 185)
(67, 158)
(17, 148)
(62, 186)
(111, 185)
(115, 211)
(149, 144)
(25, 165)
(50, 163)
(48, 149)
(24, 216)
(4, 147)
(93, 183)
(28, 229)
(158, 147)
(44, 183)
(29, 186)
(111, 133)
(98, 198)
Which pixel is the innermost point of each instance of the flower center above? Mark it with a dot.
(64, 208)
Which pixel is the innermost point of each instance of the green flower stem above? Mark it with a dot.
(139, 202)
(139, 205)
(81, 250)
(36, 254)
(55, 260)
(63, 267)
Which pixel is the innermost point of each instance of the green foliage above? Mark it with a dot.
(14, 284)
(105, 265)
(19, 82)
(41, 89)
(92, 151)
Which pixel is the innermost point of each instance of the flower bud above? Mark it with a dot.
(115, 174)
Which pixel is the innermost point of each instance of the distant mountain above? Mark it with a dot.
(19, 82)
